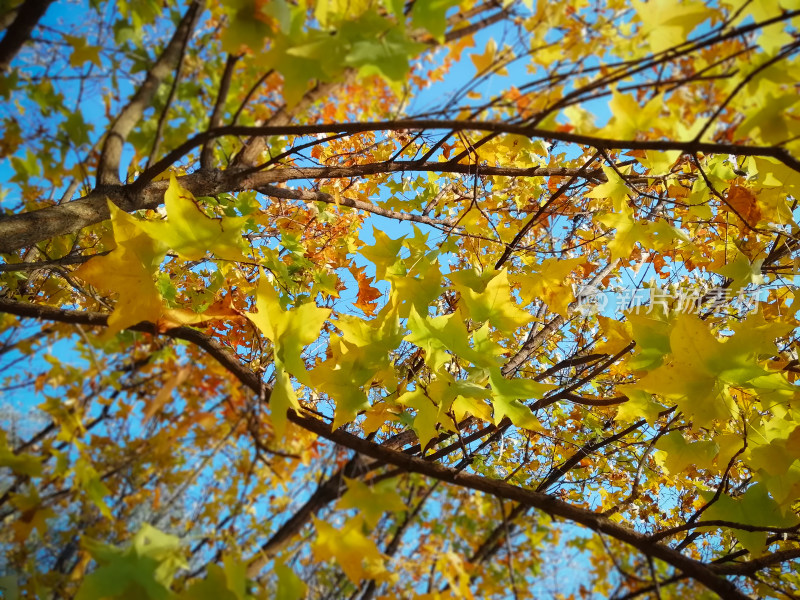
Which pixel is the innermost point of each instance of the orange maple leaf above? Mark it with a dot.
(743, 202)
(366, 293)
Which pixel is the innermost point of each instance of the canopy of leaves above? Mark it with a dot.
(386, 299)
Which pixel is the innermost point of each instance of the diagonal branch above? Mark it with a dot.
(162, 120)
(25, 19)
(108, 168)
(207, 154)
(544, 502)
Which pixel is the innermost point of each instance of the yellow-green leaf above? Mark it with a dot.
(190, 232)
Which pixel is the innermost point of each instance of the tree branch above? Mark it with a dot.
(498, 127)
(25, 19)
(207, 153)
(25, 229)
(110, 156)
(312, 196)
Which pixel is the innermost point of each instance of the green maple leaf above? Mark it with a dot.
(243, 26)
(678, 454)
(474, 279)
(742, 271)
(426, 417)
(387, 54)
(144, 570)
(229, 582)
(652, 340)
(32, 515)
(371, 500)
(437, 335)
(21, 464)
(417, 288)
(754, 507)
(702, 369)
(9, 584)
(384, 254)
(432, 15)
(290, 586)
(213, 587)
(82, 52)
(506, 397)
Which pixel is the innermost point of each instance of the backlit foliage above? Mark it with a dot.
(384, 299)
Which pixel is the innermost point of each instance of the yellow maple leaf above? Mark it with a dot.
(128, 271)
(549, 283)
(618, 335)
(82, 52)
(628, 232)
(630, 118)
(190, 232)
(357, 555)
(486, 62)
(494, 303)
(289, 331)
(666, 23)
(614, 188)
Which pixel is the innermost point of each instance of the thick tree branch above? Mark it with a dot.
(223, 355)
(110, 156)
(762, 562)
(498, 127)
(25, 18)
(558, 472)
(162, 119)
(18, 231)
(721, 523)
(26, 229)
(544, 502)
